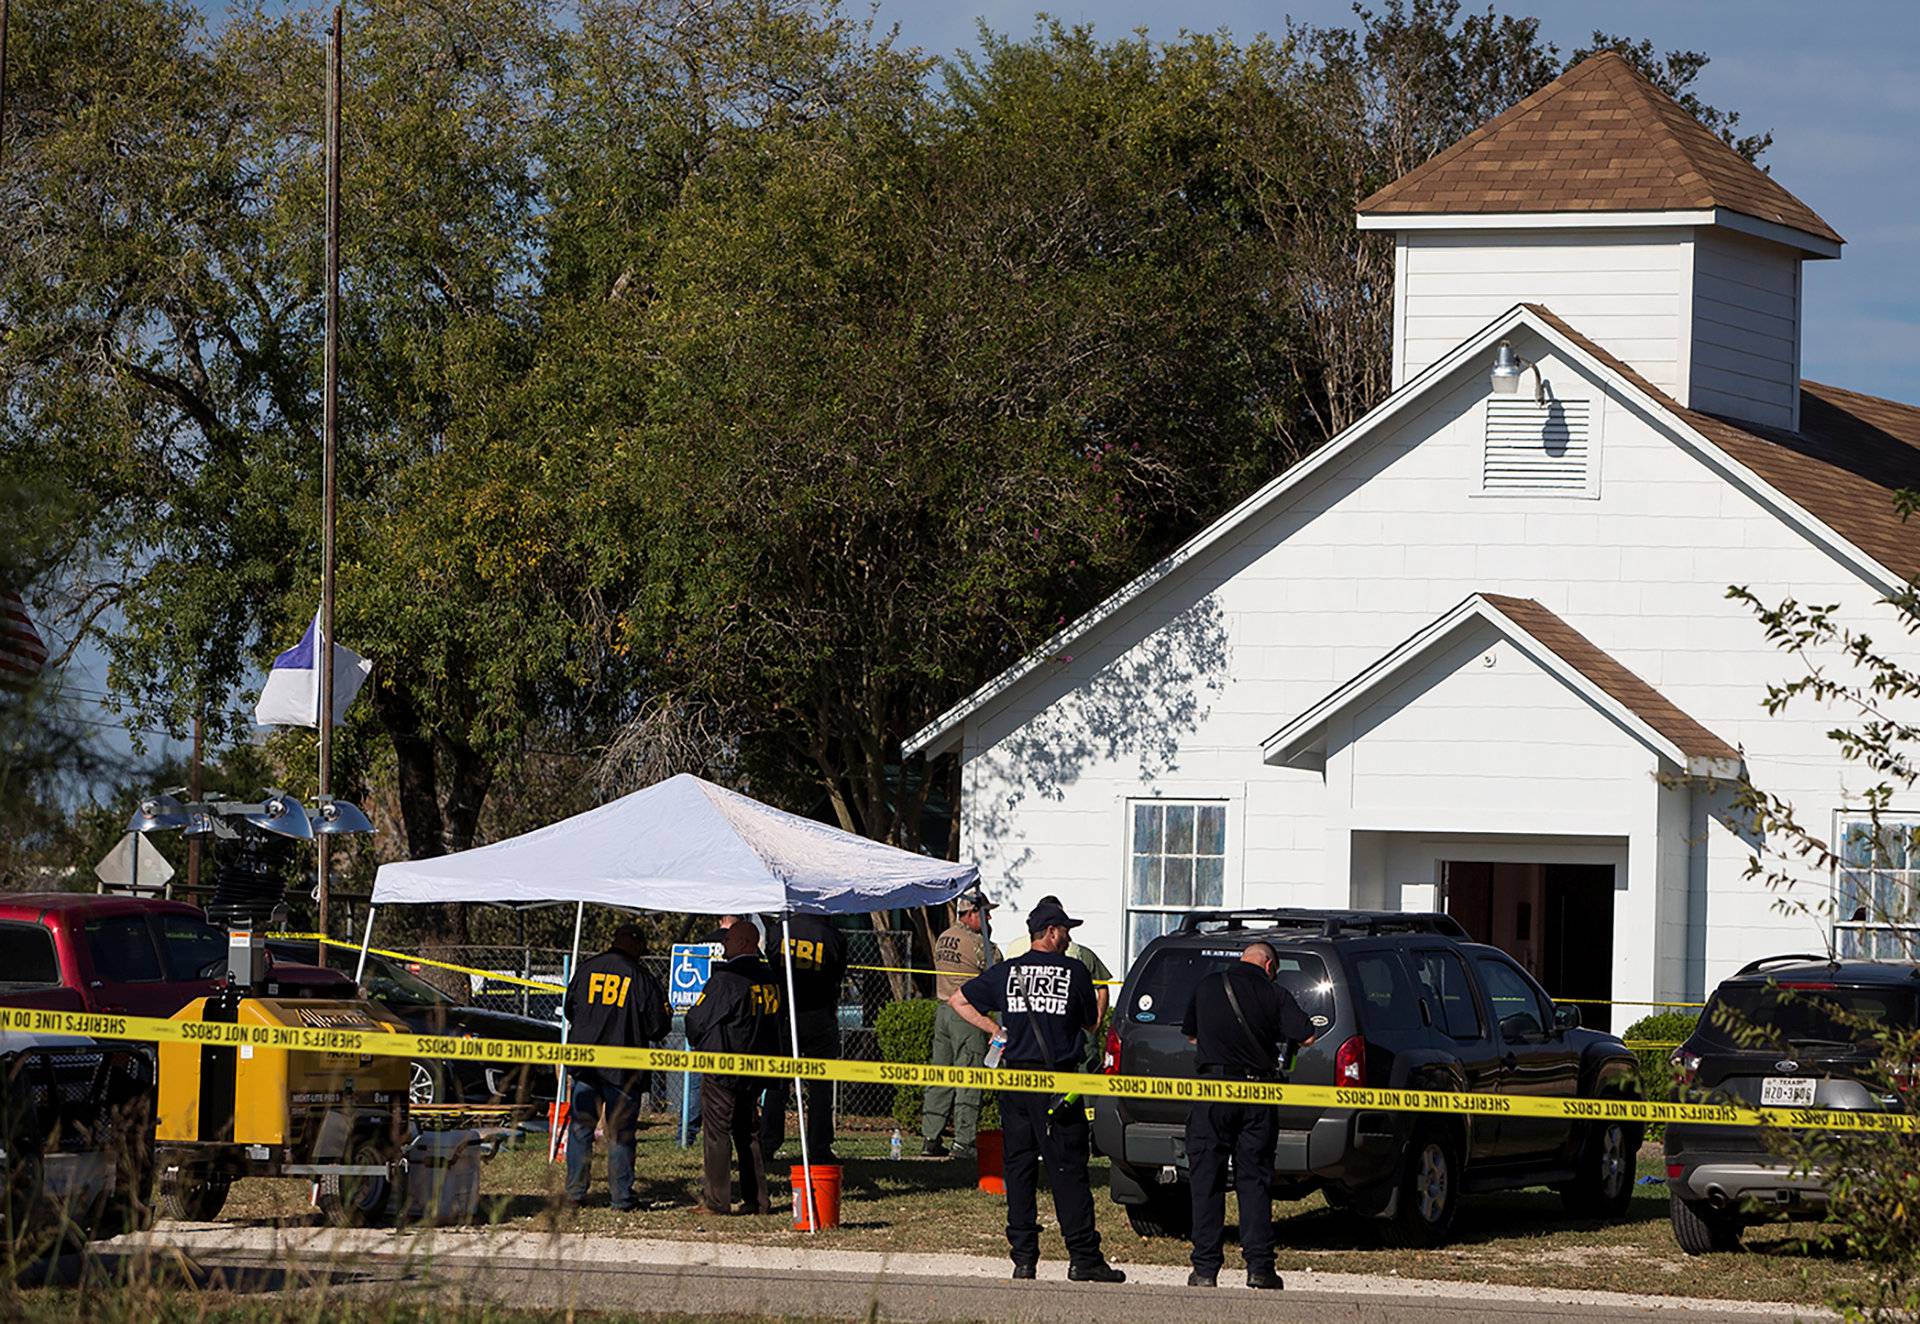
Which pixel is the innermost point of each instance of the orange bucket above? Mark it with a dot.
(826, 1196)
(989, 1146)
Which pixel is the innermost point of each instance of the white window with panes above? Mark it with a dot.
(1177, 862)
(1877, 887)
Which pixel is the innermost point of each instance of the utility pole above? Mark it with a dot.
(329, 437)
(3, 79)
(194, 792)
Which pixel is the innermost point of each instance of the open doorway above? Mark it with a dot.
(1555, 919)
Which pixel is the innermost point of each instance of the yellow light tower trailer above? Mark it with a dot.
(230, 1110)
(227, 1111)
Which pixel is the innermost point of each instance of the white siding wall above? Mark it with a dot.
(1626, 289)
(1173, 698)
(1481, 729)
(1746, 329)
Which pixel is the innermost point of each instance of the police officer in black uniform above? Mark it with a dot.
(819, 968)
(1045, 1003)
(611, 1000)
(739, 1011)
(1244, 1026)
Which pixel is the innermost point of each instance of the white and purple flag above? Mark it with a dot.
(292, 693)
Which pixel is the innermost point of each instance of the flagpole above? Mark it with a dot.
(329, 435)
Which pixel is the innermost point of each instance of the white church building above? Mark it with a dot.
(1476, 653)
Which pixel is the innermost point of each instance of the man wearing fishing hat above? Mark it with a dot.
(960, 953)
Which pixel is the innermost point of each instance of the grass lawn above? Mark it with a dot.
(916, 1204)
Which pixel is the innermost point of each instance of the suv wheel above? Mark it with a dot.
(1429, 1193)
(1167, 1212)
(1700, 1228)
(1602, 1184)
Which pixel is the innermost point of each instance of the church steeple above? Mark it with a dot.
(1600, 197)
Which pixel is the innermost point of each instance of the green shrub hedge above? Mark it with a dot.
(905, 1030)
(1656, 1076)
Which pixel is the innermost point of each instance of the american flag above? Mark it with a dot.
(22, 652)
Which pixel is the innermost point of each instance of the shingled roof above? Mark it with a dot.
(1599, 138)
(1853, 452)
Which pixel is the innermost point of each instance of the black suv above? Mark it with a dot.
(1784, 1032)
(1398, 1001)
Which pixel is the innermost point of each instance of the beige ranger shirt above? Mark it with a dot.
(958, 955)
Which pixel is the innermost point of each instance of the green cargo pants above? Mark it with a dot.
(955, 1044)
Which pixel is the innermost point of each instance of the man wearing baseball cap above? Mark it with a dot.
(612, 1000)
(960, 953)
(1045, 1002)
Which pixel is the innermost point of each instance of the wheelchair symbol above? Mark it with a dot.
(691, 966)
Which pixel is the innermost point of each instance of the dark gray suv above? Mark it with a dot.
(1399, 1001)
(1783, 1032)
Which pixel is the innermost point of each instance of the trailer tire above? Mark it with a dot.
(359, 1201)
(192, 1193)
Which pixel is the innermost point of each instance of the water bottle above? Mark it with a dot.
(893, 1146)
(996, 1049)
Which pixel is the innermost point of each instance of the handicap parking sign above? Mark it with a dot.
(687, 972)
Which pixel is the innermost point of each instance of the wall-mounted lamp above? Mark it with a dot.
(1509, 367)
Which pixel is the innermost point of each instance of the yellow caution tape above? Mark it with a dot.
(412, 959)
(1173, 1089)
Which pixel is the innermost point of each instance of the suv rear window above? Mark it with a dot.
(1165, 987)
(1788, 1015)
(27, 958)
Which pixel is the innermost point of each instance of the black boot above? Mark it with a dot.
(1097, 1272)
(1266, 1279)
(1023, 1271)
(1200, 1279)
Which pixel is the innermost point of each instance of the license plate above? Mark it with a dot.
(1786, 1092)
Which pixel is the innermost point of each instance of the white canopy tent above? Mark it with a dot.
(687, 846)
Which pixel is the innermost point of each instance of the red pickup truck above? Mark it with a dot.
(137, 956)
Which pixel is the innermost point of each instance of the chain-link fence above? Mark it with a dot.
(491, 977)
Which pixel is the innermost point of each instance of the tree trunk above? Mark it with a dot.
(414, 775)
(892, 957)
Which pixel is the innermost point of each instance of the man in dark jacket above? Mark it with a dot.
(611, 1001)
(819, 954)
(739, 1011)
(1243, 1025)
(1046, 1005)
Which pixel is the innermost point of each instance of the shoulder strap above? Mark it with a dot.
(1233, 1000)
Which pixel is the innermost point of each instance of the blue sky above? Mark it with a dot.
(1837, 84)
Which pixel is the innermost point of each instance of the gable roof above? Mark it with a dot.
(1588, 669)
(1853, 452)
(1815, 479)
(1599, 138)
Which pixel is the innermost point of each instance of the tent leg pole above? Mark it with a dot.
(799, 1091)
(560, 1073)
(366, 941)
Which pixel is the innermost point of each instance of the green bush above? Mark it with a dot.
(905, 1030)
(1656, 1076)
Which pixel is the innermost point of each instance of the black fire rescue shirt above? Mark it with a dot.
(1044, 1003)
(739, 1011)
(819, 961)
(1273, 1017)
(613, 1001)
